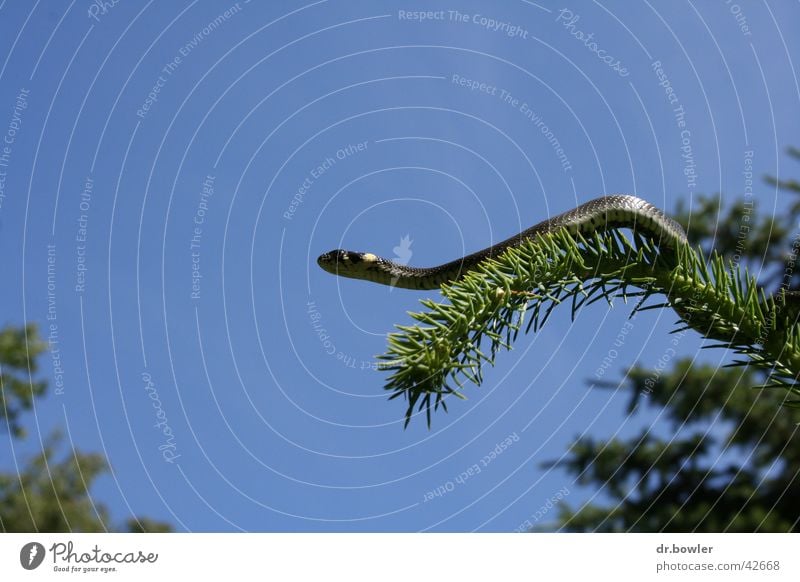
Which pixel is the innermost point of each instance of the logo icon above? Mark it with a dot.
(402, 255)
(31, 555)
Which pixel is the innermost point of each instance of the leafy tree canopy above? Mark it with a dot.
(47, 494)
(742, 475)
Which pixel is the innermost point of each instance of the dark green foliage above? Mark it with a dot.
(19, 348)
(47, 494)
(743, 475)
(146, 525)
(734, 233)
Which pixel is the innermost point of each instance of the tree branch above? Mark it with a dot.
(432, 360)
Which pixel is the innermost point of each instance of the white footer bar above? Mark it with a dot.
(388, 557)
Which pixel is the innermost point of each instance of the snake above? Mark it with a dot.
(600, 214)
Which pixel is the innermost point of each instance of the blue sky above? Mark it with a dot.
(183, 164)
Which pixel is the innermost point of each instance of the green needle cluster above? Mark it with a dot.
(485, 310)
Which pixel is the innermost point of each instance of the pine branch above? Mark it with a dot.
(485, 311)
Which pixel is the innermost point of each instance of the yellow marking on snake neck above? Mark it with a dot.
(369, 257)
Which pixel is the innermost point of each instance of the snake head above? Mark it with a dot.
(347, 263)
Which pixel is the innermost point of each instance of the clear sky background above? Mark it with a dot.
(224, 151)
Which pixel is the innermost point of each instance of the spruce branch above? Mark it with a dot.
(518, 290)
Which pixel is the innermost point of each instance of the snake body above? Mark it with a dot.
(607, 212)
